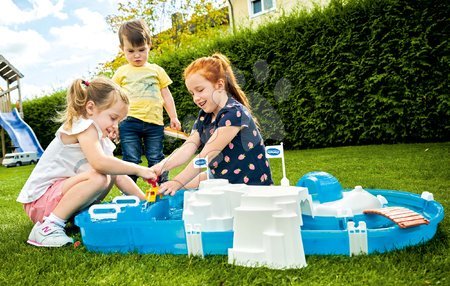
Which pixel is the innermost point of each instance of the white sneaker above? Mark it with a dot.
(48, 234)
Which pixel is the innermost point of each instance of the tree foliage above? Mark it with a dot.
(363, 72)
(191, 21)
(356, 72)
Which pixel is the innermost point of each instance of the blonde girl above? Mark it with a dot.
(225, 131)
(78, 167)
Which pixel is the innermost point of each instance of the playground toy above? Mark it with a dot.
(175, 133)
(21, 134)
(152, 193)
(402, 216)
(272, 226)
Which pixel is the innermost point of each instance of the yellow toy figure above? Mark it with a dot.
(152, 193)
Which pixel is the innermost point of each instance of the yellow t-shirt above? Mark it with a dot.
(143, 86)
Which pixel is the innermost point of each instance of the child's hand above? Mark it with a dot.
(157, 168)
(147, 173)
(175, 123)
(113, 133)
(170, 187)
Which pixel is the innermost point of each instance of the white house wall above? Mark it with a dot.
(243, 18)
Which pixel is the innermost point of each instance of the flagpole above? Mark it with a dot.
(207, 168)
(282, 162)
(284, 180)
(277, 151)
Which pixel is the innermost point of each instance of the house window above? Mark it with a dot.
(258, 7)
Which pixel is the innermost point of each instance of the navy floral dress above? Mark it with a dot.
(243, 160)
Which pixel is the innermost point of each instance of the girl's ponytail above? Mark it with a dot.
(77, 97)
(231, 84)
(102, 91)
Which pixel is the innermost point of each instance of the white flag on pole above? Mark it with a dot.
(201, 163)
(275, 151)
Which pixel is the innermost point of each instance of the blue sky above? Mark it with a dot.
(52, 42)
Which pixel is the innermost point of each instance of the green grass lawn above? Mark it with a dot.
(408, 167)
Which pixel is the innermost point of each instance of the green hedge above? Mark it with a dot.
(367, 72)
(40, 113)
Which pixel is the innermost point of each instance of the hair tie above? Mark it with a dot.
(85, 82)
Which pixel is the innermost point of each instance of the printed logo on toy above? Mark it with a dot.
(200, 163)
(273, 151)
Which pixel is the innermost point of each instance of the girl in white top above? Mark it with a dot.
(78, 167)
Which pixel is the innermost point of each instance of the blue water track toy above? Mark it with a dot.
(251, 222)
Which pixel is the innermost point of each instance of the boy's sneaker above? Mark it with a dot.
(48, 234)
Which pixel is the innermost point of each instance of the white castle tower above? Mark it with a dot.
(266, 221)
(267, 228)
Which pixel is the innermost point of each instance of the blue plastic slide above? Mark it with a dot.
(20, 133)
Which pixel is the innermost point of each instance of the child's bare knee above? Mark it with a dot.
(100, 181)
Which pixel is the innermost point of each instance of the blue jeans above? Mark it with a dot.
(133, 133)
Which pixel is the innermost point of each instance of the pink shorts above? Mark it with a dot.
(43, 206)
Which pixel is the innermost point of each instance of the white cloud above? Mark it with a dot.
(23, 48)
(50, 50)
(91, 38)
(11, 14)
(71, 60)
(30, 91)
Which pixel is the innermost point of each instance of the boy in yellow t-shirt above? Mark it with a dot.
(147, 88)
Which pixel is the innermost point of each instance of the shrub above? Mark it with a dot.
(40, 113)
(363, 72)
